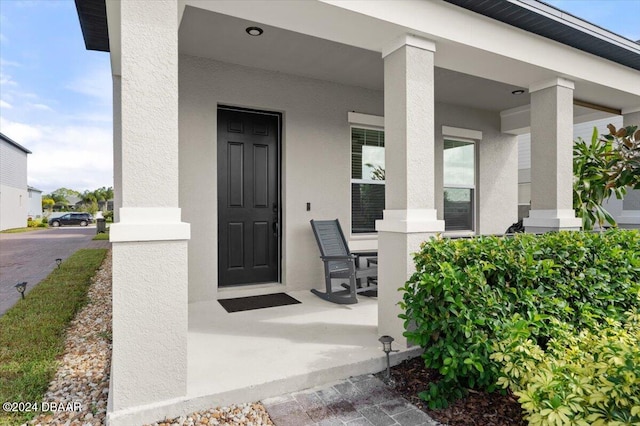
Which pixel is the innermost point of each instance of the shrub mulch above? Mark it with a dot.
(477, 409)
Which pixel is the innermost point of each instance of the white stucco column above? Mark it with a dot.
(552, 157)
(117, 147)
(149, 361)
(630, 215)
(410, 213)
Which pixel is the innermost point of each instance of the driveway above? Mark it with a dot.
(31, 256)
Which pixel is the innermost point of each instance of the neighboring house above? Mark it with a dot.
(35, 203)
(14, 201)
(626, 212)
(236, 122)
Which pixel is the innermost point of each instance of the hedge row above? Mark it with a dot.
(468, 295)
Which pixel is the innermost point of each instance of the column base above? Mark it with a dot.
(540, 221)
(400, 234)
(149, 224)
(410, 221)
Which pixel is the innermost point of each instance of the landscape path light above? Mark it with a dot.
(386, 347)
(21, 287)
(59, 262)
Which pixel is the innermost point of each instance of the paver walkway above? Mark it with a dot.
(31, 256)
(362, 400)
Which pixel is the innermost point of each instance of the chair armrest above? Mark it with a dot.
(333, 258)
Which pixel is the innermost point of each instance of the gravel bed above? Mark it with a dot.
(82, 380)
(242, 414)
(81, 383)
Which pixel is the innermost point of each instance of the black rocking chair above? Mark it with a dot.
(340, 263)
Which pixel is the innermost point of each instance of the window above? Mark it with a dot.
(367, 179)
(459, 185)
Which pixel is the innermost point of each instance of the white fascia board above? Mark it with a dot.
(358, 118)
(113, 25)
(408, 40)
(516, 121)
(559, 82)
(458, 132)
(631, 110)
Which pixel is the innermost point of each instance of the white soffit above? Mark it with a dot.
(475, 45)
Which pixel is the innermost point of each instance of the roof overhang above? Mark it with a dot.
(547, 21)
(478, 45)
(14, 143)
(530, 15)
(93, 22)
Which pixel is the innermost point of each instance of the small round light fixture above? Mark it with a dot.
(517, 92)
(20, 288)
(254, 31)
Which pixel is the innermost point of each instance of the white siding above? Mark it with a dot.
(13, 186)
(35, 203)
(13, 166)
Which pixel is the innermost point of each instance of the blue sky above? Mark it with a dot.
(55, 96)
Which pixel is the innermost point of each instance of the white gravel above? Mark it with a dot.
(80, 388)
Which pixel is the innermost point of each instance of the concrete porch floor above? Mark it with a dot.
(252, 355)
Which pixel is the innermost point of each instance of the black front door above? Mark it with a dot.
(248, 197)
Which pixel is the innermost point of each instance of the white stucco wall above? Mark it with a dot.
(315, 160)
(316, 156)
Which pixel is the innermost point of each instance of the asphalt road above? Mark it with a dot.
(31, 256)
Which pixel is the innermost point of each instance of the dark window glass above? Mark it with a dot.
(367, 179)
(458, 209)
(459, 185)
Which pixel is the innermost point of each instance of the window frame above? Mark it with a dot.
(474, 191)
(364, 122)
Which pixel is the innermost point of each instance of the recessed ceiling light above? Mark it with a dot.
(517, 92)
(254, 31)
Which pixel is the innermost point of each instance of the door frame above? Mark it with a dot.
(278, 116)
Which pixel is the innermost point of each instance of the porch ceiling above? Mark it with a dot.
(294, 53)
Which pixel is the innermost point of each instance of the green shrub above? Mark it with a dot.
(466, 294)
(586, 378)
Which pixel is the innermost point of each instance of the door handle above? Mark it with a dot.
(276, 227)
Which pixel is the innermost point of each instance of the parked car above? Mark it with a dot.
(82, 219)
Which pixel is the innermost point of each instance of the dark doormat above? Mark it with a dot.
(257, 302)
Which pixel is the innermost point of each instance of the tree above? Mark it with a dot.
(624, 161)
(47, 203)
(603, 168)
(89, 202)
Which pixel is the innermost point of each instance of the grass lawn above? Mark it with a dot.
(19, 230)
(32, 332)
(101, 237)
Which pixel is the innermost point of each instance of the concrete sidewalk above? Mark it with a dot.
(31, 256)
